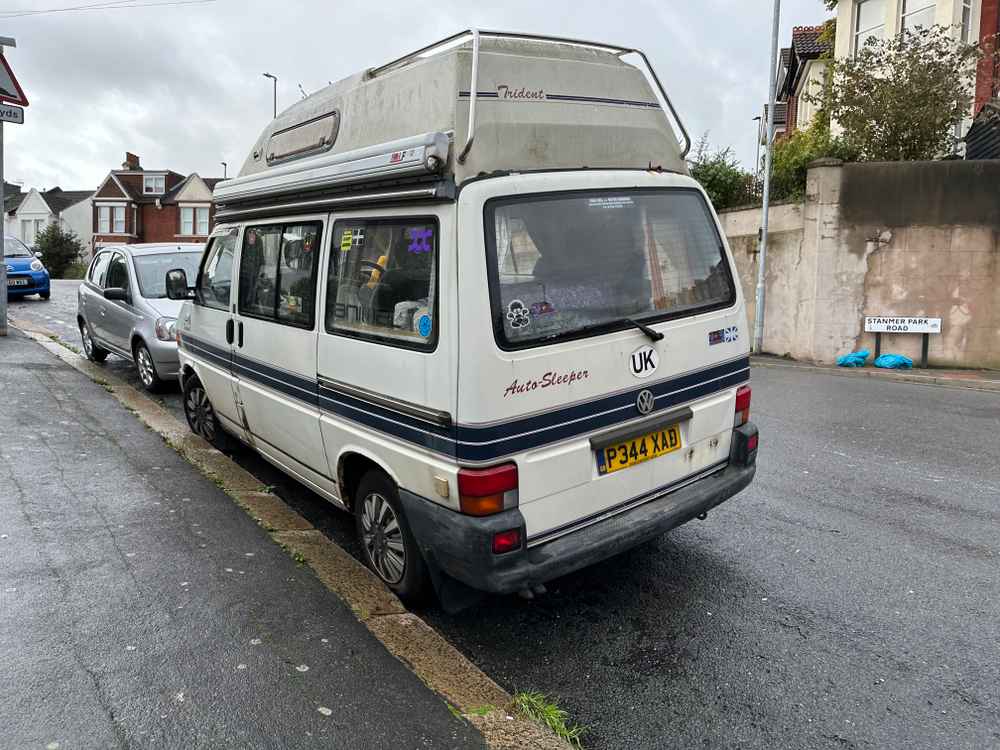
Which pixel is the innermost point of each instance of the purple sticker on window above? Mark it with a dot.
(420, 239)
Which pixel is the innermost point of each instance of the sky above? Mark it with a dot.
(181, 86)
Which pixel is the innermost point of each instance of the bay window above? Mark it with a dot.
(869, 22)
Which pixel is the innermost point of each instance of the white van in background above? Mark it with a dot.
(473, 297)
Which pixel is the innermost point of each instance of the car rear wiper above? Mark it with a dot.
(653, 335)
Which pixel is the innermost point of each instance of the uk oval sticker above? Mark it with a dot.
(644, 362)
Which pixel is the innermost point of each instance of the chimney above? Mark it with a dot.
(131, 162)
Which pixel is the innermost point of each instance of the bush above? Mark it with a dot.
(721, 175)
(792, 156)
(60, 249)
(75, 271)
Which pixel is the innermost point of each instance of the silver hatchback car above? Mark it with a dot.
(123, 309)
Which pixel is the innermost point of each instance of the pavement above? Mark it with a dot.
(139, 606)
(982, 380)
(847, 599)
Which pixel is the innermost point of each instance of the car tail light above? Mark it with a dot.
(742, 406)
(752, 443)
(506, 541)
(483, 492)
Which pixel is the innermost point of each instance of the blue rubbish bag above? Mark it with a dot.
(894, 362)
(854, 359)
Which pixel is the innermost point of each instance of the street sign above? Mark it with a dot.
(10, 113)
(875, 324)
(10, 90)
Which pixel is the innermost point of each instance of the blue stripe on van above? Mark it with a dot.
(472, 442)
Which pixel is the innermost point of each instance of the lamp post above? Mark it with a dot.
(274, 80)
(758, 325)
(756, 162)
(224, 168)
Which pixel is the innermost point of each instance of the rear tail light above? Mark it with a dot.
(752, 443)
(742, 406)
(483, 492)
(506, 541)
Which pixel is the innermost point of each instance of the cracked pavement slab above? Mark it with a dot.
(139, 605)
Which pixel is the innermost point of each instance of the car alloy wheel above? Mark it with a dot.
(88, 343)
(199, 413)
(383, 538)
(147, 373)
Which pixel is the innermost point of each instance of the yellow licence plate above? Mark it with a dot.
(641, 448)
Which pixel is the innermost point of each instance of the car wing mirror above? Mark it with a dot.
(116, 294)
(177, 285)
(38, 255)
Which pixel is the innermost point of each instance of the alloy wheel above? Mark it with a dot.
(88, 343)
(383, 538)
(147, 373)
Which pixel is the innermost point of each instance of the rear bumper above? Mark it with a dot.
(460, 546)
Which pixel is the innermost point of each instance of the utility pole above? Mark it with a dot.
(758, 326)
(274, 80)
(3, 241)
(4, 42)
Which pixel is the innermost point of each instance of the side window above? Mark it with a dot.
(98, 269)
(278, 273)
(117, 273)
(216, 278)
(382, 280)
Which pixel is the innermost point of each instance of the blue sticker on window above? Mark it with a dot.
(420, 239)
(424, 325)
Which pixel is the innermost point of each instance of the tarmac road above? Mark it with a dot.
(848, 599)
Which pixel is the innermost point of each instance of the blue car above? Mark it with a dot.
(26, 274)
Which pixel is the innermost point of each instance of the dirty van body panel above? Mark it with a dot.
(274, 348)
(555, 402)
(387, 359)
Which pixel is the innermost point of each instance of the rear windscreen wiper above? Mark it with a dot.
(653, 335)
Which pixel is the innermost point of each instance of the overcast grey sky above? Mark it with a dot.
(181, 86)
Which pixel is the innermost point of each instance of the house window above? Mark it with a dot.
(153, 184)
(119, 215)
(194, 221)
(202, 216)
(870, 22)
(966, 20)
(26, 237)
(187, 221)
(104, 219)
(917, 14)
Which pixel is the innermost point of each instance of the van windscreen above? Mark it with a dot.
(568, 265)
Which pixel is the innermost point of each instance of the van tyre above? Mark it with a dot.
(90, 348)
(201, 416)
(147, 368)
(387, 544)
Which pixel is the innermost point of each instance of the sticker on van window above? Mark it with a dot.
(610, 202)
(420, 239)
(351, 238)
(517, 314)
(424, 325)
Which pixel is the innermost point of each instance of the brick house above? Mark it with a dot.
(134, 205)
(800, 72)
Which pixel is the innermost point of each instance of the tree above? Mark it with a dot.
(720, 174)
(60, 249)
(898, 99)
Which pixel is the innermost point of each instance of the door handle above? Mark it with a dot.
(229, 331)
(239, 339)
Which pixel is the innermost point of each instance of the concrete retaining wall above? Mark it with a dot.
(909, 239)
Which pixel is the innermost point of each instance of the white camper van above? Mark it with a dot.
(473, 298)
